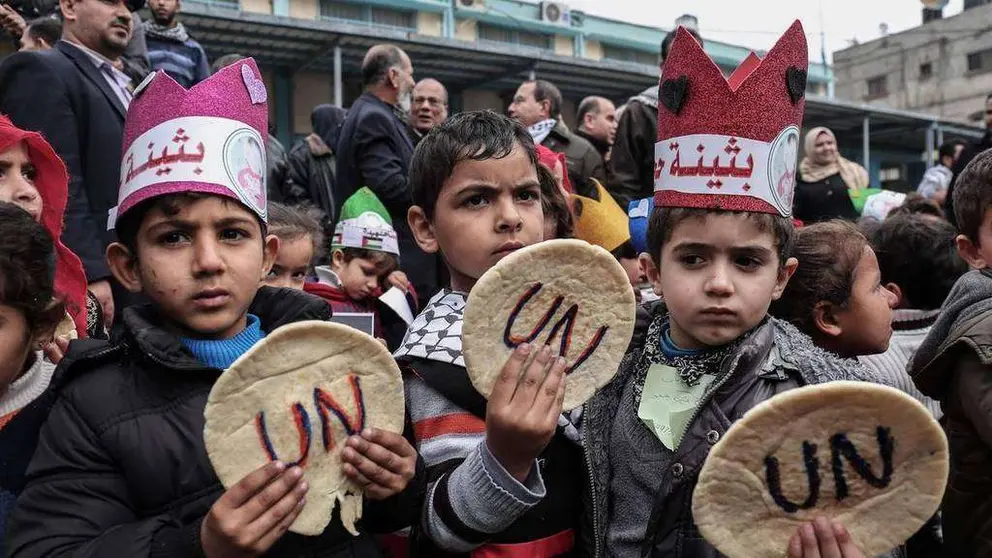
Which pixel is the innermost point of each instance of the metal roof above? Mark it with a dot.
(308, 45)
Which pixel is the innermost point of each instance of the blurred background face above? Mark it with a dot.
(603, 123)
(430, 105)
(101, 25)
(164, 11)
(825, 150)
(526, 109)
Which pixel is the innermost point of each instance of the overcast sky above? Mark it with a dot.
(758, 23)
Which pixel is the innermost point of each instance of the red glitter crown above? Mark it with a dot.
(730, 143)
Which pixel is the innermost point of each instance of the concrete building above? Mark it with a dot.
(943, 67)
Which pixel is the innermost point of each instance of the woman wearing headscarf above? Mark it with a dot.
(824, 180)
(35, 179)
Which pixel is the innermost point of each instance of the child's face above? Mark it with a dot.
(865, 322)
(17, 176)
(718, 275)
(292, 263)
(201, 267)
(360, 278)
(486, 210)
(15, 345)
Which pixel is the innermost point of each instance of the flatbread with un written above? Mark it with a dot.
(566, 293)
(296, 396)
(867, 455)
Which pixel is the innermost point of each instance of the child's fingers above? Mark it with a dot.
(246, 488)
(273, 535)
(795, 546)
(263, 501)
(811, 548)
(847, 547)
(371, 470)
(547, 396)
(391, 441)
(384, 457)
(355, 476)
(530, 384)
(506, 384)
(555, 410)
(824, 530)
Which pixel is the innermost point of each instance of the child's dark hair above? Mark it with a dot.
(171, 204)
(665, 219)
(625, 251)
(973, 196)
(476, 136)
(554, 204)
(27, 270)
(385, 263)
(289, 223)
(917, 253)
(916, 203)
(828, 254)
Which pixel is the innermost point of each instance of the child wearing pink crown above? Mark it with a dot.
(719, 244)
(121, 468)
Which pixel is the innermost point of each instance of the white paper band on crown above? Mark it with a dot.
(204, 149)
(710, 164)
(357, 236)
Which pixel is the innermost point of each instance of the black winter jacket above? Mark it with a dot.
(121, 469)
(310, 178)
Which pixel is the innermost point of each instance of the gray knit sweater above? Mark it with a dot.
(909, 329)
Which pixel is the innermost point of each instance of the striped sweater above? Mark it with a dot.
(471, 499)
(909, 329)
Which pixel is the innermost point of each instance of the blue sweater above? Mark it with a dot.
(222, 354)
(185, 62)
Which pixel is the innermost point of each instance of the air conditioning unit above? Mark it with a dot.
(556, 13)
(477, 5)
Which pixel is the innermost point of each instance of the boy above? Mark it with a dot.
(718, 243)
(365, 257)
(477, 199)
(121, 468)
(953, 366)
(919, 265)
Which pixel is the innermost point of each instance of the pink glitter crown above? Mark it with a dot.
(210, 138)
(730, 143)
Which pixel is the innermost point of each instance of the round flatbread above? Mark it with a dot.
(296, 396)
(875, 458)
(567, 293)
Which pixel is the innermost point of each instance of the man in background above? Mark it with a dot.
(428, 109)
(597, 123)
(170, 47)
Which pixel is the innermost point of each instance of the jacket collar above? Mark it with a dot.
(145, 331)
(86, 65)
(601, 146)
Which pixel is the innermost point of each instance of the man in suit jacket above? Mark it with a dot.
(375, 149)
(76, 95)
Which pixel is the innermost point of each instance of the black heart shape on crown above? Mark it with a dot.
(673, 92)
(795, 82)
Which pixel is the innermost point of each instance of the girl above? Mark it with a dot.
(836, 295)
(28, 317)
(301, 237)
(33, 178)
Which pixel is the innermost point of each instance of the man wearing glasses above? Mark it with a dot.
(428, 109)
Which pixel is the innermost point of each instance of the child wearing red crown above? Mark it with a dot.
(121, 468)
(719, 245)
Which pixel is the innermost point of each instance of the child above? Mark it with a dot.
(364, 259)
(555, 190)
(836, 295)
(121, 468)
(477, 199)
(718, 256)
(919, 265)
(953, 366)
(28, 316)
(301, 237)
(33, 178)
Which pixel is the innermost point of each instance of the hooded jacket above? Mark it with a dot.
(121, 467)
(954, 365)
(52, 182)
(312, 166)
(583, 161)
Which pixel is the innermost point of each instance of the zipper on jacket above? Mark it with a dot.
(592, 489)
(709, 396)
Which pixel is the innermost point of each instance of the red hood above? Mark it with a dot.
(327, 292)
(52, 183)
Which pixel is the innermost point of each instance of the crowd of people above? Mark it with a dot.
(152, 232)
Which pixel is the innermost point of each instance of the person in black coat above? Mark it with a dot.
(311, 166)
(80, 110)
(969, 152)
(374, 149)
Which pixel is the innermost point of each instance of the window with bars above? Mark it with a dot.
(372, 15)
(878, 86)
(613, 52)
(980, 61)
(505, 35)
